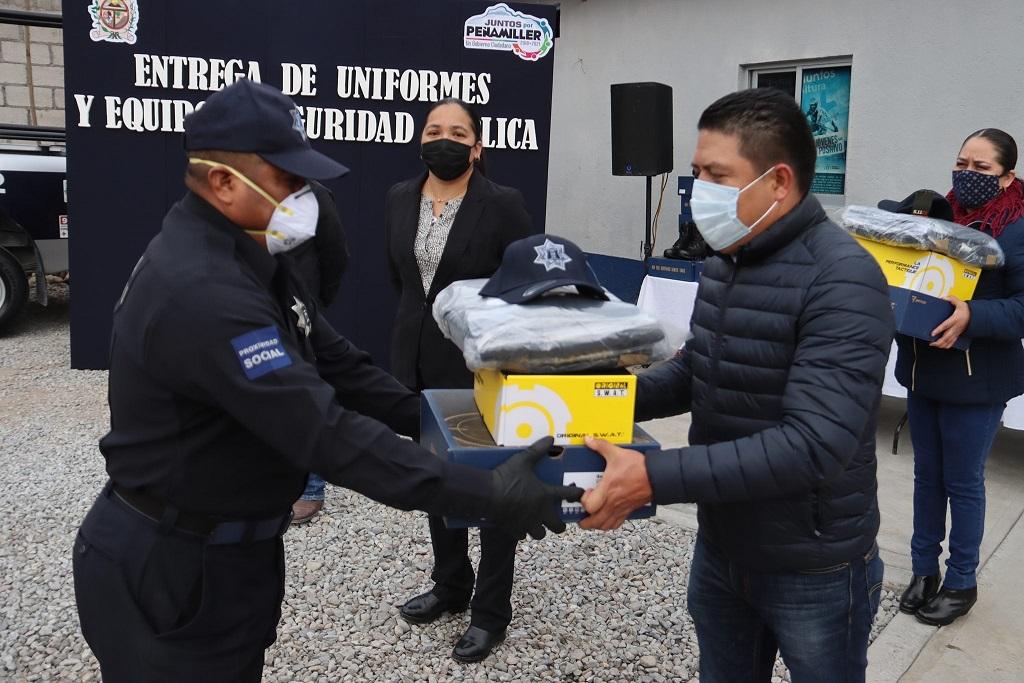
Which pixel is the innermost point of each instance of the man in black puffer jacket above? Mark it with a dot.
(782, 374)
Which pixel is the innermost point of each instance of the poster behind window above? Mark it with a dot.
(825, 100)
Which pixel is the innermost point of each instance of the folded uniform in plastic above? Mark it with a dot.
(555, 333)
(964, 244)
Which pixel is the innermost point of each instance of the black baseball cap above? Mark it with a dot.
(253, 117)
(539, 263)
(921, 203)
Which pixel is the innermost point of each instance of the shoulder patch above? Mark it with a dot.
(260, 352)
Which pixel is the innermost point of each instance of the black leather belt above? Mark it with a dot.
(168, 517)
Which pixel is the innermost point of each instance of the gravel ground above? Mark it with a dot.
(588, 607)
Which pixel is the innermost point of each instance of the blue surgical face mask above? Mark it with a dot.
(714, 212)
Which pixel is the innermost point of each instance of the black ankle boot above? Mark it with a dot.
(690, 246)
(947, 606)
(695, 247)
(921, 590)
(678, 249)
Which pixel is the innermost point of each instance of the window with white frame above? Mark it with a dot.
(822, 88)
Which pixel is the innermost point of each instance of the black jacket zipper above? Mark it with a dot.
(716, 354)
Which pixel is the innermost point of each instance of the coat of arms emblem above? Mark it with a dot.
(115, 21)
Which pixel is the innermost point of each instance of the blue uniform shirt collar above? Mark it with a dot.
(251, 251)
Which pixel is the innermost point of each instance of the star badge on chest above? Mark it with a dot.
(303, 316)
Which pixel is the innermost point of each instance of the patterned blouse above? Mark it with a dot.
(432, 235)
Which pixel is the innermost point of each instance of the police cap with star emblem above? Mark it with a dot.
(537, 264)
(252, 117)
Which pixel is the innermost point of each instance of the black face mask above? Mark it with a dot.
(447, 159)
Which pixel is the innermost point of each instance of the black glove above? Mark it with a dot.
(524, 504)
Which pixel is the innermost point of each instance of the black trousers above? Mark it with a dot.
(164, 606)
(453, 573)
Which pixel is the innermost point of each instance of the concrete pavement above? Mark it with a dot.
(986, 645)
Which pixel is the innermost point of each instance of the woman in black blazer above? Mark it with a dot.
(449, 224)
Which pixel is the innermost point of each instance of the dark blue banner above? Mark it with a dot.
(363, 73)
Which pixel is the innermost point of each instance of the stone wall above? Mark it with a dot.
(31, 69)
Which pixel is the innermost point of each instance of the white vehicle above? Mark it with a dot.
(33, 199)
(33, 218)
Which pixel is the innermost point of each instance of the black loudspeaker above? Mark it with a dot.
(641, 129)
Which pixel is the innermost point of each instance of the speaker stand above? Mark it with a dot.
(648, 247)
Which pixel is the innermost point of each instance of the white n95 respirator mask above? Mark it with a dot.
(294, 219)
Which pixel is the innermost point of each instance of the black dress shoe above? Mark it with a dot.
(921, 590)
(947, 606)
(427, 607)
(475, 644)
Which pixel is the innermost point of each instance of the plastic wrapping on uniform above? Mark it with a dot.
(553, 334)
(964, 244)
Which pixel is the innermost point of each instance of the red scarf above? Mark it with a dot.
(1007, 207)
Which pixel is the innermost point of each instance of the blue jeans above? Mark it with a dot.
(819, 620)
(951, 444)
(314, 488)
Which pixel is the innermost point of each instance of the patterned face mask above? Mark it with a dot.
(973, 188)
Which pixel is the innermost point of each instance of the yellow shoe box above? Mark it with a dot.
(519, 409)
(926, 272)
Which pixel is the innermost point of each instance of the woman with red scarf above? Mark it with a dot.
(955, 399)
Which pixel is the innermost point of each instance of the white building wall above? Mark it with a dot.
(926, 73)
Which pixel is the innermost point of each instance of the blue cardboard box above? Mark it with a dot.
(452, 428)
(918, 314)
(675, 269)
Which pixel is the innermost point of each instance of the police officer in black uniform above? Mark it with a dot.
(227, 387)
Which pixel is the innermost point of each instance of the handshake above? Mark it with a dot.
(523, 504)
